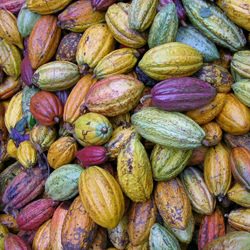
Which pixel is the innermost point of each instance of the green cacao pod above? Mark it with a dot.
(167, 162)
(242, 91)
(212, 22)
(240, 195)
(171, 129)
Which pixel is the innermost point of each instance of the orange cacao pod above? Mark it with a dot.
(213, 134)
(9, 87)
(43, 40)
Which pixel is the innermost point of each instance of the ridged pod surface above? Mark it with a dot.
(212, 227)
(173, 203)
(234, 117)
(237, 140)
(201, 199)
(118, 23)
(171, 129)
(239, 194)
(134, 171)
(26, 154)
(10, 59)
(57, 75)
(141, 217)
(62, 151)
(101, 196)
(242, 91)
(240, 65)
(213, 134)
(77, 233)
(167, 162)
(208, 112)
(43, 40)
(211, 21)
(80, 15)
(217, 171)
(12, 5)
(240, 219)
(9, 87)
(45, 7)
(171, 60)
(114, 95)
(141, 14)
(13, 241)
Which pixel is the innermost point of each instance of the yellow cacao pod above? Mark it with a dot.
(26, 154)
(213, 134)
(101, 196)
(11, 149)
(3, 233)
(8, 28)
(62, 152)
(42, 237)
(240, 195)
(9, 221)
(240, 219)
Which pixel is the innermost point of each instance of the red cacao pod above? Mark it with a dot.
(26, 71)
(212, 226)
(36, 213)
(240, 165)
(24, 188)
(27, 236)
(102, 4)
(92, 155)
(11, 5)
(15, 242)
(46, 108)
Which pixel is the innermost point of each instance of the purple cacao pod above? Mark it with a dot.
(102, 4)
(13, 241)
(182, 94)
(63, 95)
(92, 155)
(26, 71)
(27, 236)
(12, 5)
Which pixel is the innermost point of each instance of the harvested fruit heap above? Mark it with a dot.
(124, 124)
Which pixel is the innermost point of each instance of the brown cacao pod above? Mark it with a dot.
(240, 165)
(198, 156)
(35, 214)
(24, 188)
(173, 203)
(9, 87)
(213, 134)
(78, 233)
(15, 242)
(43, 40)
(212, 226)
(101, 240)
(237, 140)
(46, 108)
(3, 129)
(141, 218)
(234, 118)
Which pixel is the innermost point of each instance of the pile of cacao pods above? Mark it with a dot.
(124, 124)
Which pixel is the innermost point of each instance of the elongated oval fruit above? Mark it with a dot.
(169, 129)
(234, 118)
(78, 230)
(92, 129)
(211, 21)
(171, 60)
(211, 227)
(96, 42)
(201, 199)
(182, 94)
(13, 241)
(120, 61)
(192, 37)
(26, 154)
(164, 27)
(101, 196)
(167, 162)
(208, 112)
(240, 219)
(134, 171)
(62, 184)
(80, 15)
(240, 195)
(141, 14)
(242, 91)
(142, 216)
(46, 108)
(57, 75)
(217, 171)
(237, 11)
(8, 28)
(46, 7)
(9, 87)
(240, 65)
(12, 5)
(114, 95)
(213, 134)
(161, 238)
(10, 59)
(240, 165)
(43, 40)
(237, 140)
(118, 23)
(62, 151)
(26, 20)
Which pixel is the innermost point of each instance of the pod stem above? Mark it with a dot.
(56, 119)
(144, 98)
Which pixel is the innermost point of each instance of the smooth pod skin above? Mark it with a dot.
(101, 196)
(182, 94)
(114, 95)
(26, 154)
(239, 194)
(240, 219)
(173, 203)
(201, 199)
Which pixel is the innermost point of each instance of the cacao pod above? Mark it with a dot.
(9, 87)
(9, 221)
(26, 71)
(3, 234)
(240, 65)
(237, 140)
(240, 195)
(213, 134)
(100, 241)
(12, 5)
(241, 90)
(12, 149)
(198, 156)
(26, 154)
(240, 219)
(102, 4)
(3, 129)
(15, 242)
